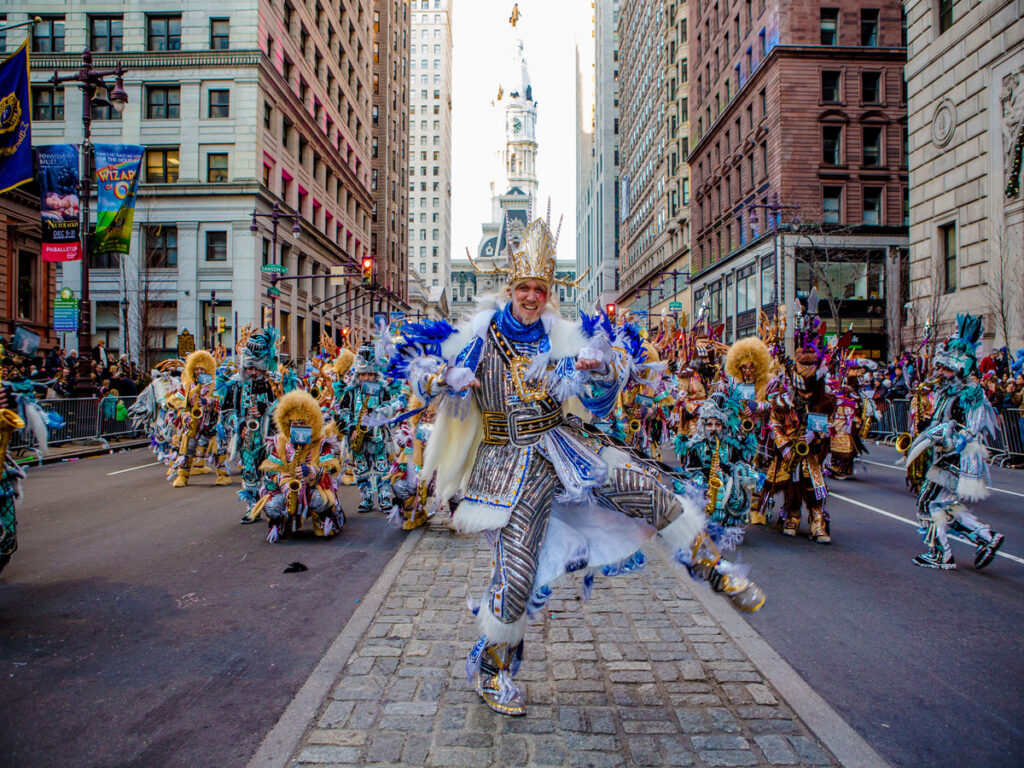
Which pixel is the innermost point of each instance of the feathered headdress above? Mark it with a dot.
(750, 350)
(959, 353)
(808, 328)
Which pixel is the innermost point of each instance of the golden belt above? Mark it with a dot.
(522, 427)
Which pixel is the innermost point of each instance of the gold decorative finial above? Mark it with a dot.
(514, 18)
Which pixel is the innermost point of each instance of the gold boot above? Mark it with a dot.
(182, 479)
(756, 514)
(223, 478)
(199, 465)
(792, 525)
(418, 518)
(818, 527)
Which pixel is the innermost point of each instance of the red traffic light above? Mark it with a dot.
(367, 271)
(610, 310)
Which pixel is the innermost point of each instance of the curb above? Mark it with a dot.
(99, 450)
(846, 745)
(285, 737)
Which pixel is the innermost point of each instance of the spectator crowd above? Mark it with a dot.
(53, 373)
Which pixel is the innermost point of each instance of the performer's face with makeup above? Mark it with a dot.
(528, 300)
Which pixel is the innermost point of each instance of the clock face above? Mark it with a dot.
(517, 125)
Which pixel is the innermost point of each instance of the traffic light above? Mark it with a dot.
(610, 311)
(367, 271)
(221, 324)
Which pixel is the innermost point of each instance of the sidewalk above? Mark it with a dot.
(654, 670)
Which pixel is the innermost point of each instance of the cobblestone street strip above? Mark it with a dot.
(641, 674)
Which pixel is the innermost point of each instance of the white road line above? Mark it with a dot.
(900, 469)
(913, 523)
(132, 469)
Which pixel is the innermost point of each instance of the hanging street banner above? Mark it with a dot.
(58, 202)
(65, 312)
(15, 121)
(117, 179)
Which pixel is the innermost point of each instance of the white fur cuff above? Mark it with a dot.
(475, 517)
(498, 632)
(680, 533)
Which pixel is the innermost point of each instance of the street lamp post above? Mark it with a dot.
(772, 211)
(275, 215)
(94, 93)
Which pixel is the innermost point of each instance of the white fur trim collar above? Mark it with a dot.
(566, 338)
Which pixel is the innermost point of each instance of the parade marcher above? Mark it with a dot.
(962, 422)
(409, 488)
(798, 422)
(750, 366)
(370, 446)
(247, 399)
(11, 476)
(725, 447)
(300, 471)
(200, 412)
(551, 497)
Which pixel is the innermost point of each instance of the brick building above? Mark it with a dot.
(28, 283)
(798, 123)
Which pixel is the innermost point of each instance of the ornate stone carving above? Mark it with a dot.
(1011, 97)
(943, 123)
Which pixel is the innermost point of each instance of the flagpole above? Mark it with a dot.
(29, 23)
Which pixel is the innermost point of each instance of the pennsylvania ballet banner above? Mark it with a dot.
(58, 201)
(117, 179)
(15, 121)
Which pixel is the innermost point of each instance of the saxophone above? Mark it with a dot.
(292, 486)
(714, 479)
(360, 434)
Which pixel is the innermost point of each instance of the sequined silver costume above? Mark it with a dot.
(551, 496)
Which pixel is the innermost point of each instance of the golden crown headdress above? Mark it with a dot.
(531, 257)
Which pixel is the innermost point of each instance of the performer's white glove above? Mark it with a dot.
(592, 359)
(460, 378)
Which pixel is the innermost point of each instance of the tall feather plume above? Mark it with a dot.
(559, 230)
(549, 213)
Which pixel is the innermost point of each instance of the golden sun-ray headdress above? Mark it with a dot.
(533, 257)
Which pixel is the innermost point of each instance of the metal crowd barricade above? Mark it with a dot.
(1011, 428)
(893, 418)
(83, 423)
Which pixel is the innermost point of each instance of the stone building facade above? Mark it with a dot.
(965, 78)
(798, 163)
(430, 146)
(597, 164)
(238, 107)
(389, 241)
(644, 242)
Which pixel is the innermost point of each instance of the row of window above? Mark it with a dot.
(161, 102)
(736, 233)
(872, 146)
(159, 243)
(106, 33)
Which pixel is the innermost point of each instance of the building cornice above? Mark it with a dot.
(148, 59)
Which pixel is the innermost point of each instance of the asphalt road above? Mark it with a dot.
(926, 665)
(142, 625)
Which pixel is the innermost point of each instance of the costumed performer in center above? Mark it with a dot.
(550, 496)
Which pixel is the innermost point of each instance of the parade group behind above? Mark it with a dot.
(549, 438)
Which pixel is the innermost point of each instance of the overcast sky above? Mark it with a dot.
(484, 44)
